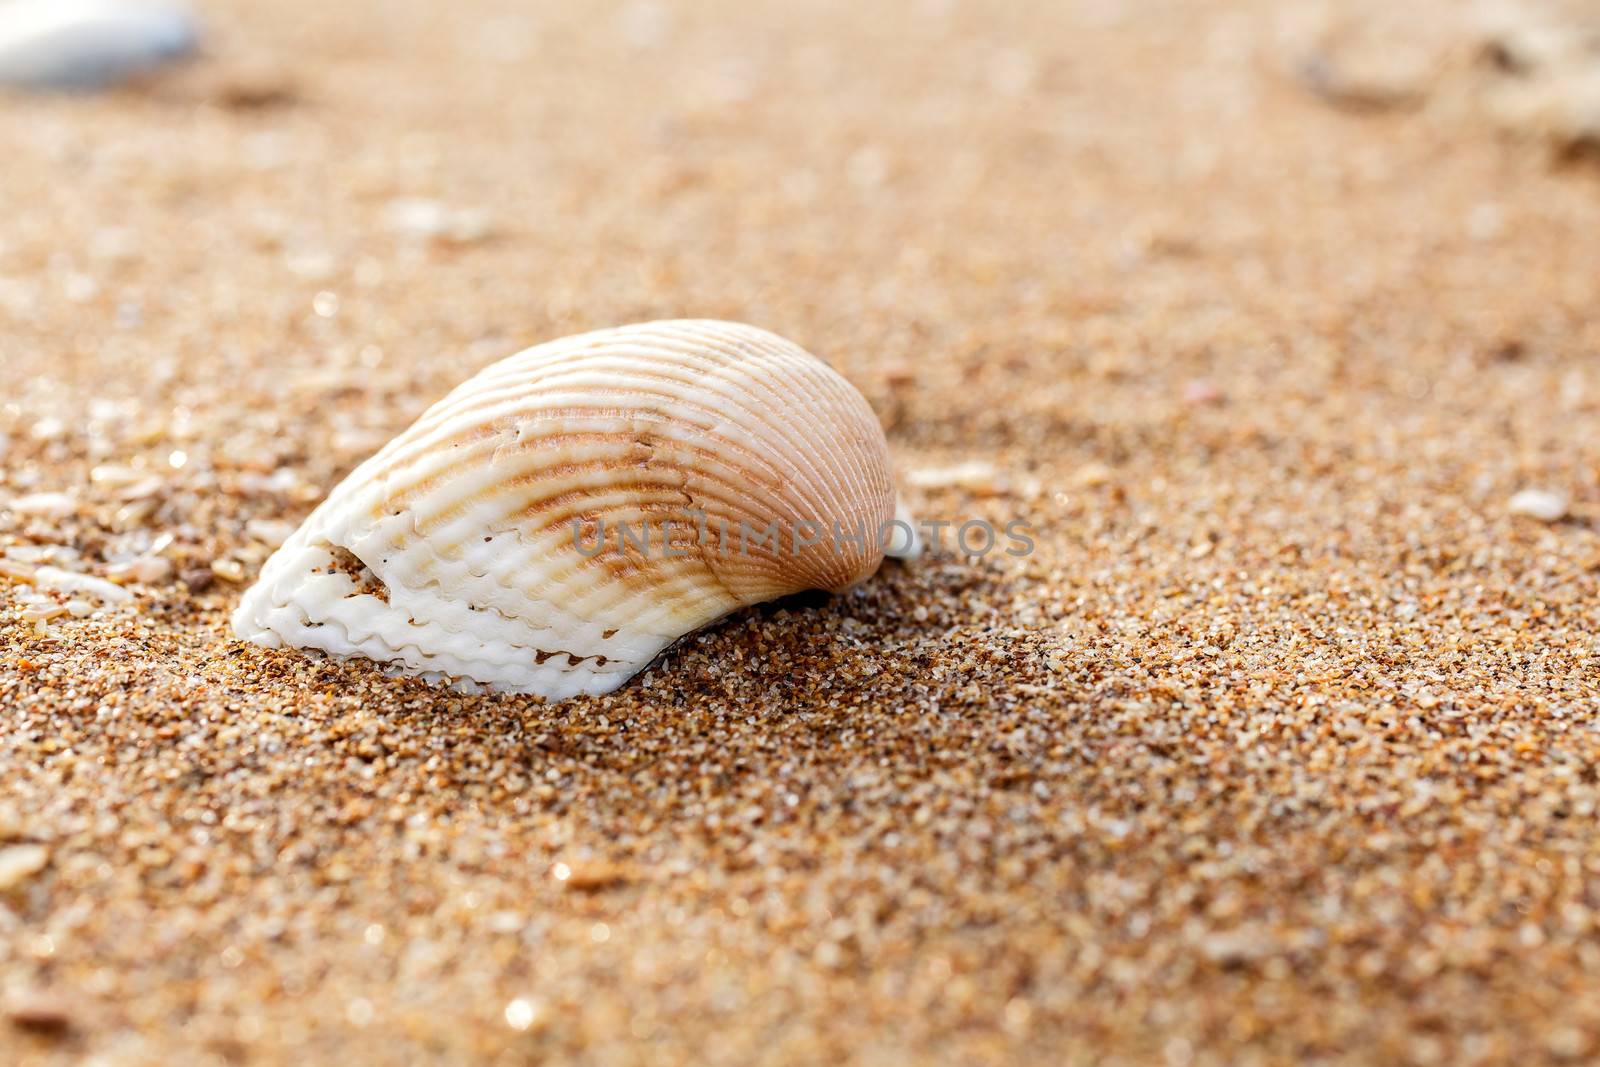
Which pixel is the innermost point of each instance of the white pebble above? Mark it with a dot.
(72, 582)
(48, 429)
(18, 863)
(1539, 504)
(229, 570)
(271, 532)
(432, 220)
(145, 570)
(42, 611)
(44, 505)
(976, 474)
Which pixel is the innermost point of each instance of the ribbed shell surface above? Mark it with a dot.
(486, 544)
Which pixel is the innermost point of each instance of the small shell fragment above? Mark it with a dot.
(16, 570)
(271, 532)
(18, 863)
(1539, 504)
(977, 475)
(563, 516)
(145, 570)
(48, 505)
(71, 582)
(432, 220)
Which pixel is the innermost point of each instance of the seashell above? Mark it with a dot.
(498, 540)
(88, 44)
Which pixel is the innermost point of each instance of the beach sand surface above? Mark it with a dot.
(1280, 746)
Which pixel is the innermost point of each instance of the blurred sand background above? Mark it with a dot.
(1280, 748)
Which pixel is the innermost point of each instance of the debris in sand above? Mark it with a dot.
(16, 570)
(1370, 58)
(39, 1011)
(431, 220)
(70, 582)
(198, 579)
(229, 570)
(1198, 392)
(1540, 77)
(270, 532)
(143, 570)
(1541, 504)
(18, 863)
(1530, 69)
(977, 476)
(591, 876)
(44, 505)
(1358, 90)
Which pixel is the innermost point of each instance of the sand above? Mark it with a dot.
(1279, 748)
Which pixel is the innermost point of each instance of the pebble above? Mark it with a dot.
(976, 475)
(1198, 392)
(88, 44)
(591, 877)
(145, 570)
(44, 505)
(134, 515)
(270, 532)
(48, 429)
(1539, 504)
(229, 570)
(18, 863)
(37, 609)
(72, 582)
(432, 220)
(1532, 68)
(127, 483)
(198, 579)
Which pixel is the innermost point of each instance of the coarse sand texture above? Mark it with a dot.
(1279, 747)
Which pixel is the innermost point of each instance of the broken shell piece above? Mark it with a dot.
(432, 220)
(144, 570)
(559, 519)
(272, 532)
(44, 505)
(1539, 504)
(18, 863)
(976, 476)
(71, 582)
(16, 570)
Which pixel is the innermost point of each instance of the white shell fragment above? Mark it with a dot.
(88, 44)
(71, 582)
(1539, 504)
(498, 540)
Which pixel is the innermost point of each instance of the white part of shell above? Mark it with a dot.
(86, 44)
(453, 553)
(903, 542)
